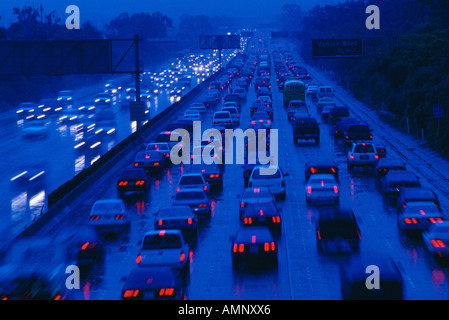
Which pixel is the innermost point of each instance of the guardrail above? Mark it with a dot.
(68, 192)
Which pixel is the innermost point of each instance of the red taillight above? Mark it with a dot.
(241, 247)
(242, 204)
(205, 188)
(436, 220)
(335, 189)
(267, 246)
(203, 205)
(138, 259)
(313, 170)
(119, 216)
(156, 163)
(235, 247)
(182, 257)
(351, 156)
(276, 219)
(160, 222)
(437, 243)
(84, 246)
(318, 234)
(410, 221)
(166, 292)
(309, 189)
(247, 221)
(376, 157)
(130, 293)
(94, 218)
(189, 221)
(136, 164)
(123, 183)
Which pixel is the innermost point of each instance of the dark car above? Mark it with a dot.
(211, 173)
(153, 283)
(356, 132)
(386, 164)
(320, 165)
(132, 180)
(306, 129)
(354, 278)
(254, 244)
(255, 196)
(176, 217)
(337, 113)
(395, 180)
(337, 231)
(341, 125)
(261, 214)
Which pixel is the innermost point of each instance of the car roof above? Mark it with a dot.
(161, 277)
(417, 193)
(175, 211)
(356, 268)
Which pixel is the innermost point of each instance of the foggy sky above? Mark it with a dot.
(99, 12)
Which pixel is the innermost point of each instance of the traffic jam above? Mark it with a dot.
(338, 207)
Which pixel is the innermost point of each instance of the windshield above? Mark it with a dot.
(222, 115)
(166, 241)
(364, 149)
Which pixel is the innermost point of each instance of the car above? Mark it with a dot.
(436, 239)
(196, 199)
(263, 91)
(132, 180)
(165, 137)
(257, 105)
(177, 217)
(235, 115)
(341, 125)
(192, 115)
(243, 83)
(232, 104)
(233, 98)
(384, 165)
(261, 118)
(325, 112)
(356, 132)
(337, 231)
(295, 106)
(109, 215)
(322, 188)
(320, 165)
(69, 117)
(162, 147)
(418, 216)
(215, 85)
(212, 174)
(326, 101)
(265, 100)
(337, 113)
(241, 92)
(65, 96)
(200, 108)
(325, 91)
(306, 128)
(381, 150)
(362, 154)
(164, 248)
(153, 283)
(222, 118)
(354, 275)
(192, 181)
(151, 161)
(408, 195)
(262, 214)
(395, 180)
(312, 91)
(254, 244)
(272, 177)
(255, 196)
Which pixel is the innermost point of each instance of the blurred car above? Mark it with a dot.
(65, 96)
(395, 180)
(192, 115)
(320, 165)
(324, 102)
(261, 118)
(353, 278)
(417, 194)
(165, 137)
(261, 214)
(322, 188)
(132, 180)
(419, 216)
(326, 112)
(362, 154)
(254, 196)
(241, 92)
(274, 179)
(212, 174)
(103, 99)
(109, 215)
(196, 199)
(164, 248)
(338, 113)
(149, 160)
(234, 115)
(436, 239)
(222, 118)
(176, 217)
(153, 283)
(295, 106)
(192, 181)
(337, 231)
(36, 129)
(162, 147)
(341, 125)
(386, 164)
(254, 244)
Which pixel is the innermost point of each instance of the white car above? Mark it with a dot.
(109, 214)
(436, 239)
(362, 154)
(322, 188)
(234, 114)
(164, 248)
(192, 114)
(241, 92)
(222, 118)
(273, 180)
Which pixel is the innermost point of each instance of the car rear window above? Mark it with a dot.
(358, 128)
(221, 115)
(191, 180)
(166, 241)
(107, 207)
(189, 195)
(368, 148)
(297, 104)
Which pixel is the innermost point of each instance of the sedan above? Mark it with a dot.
(196, 199)
(322, 188)
(109, 215)
(436, 239)
(192, 181)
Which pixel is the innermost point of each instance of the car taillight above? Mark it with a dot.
(376, 156)
(267, 246)
(130, 294)
(123, 183)
(309, 189)
(247, 221)
(166, 292)
(156, 163)
(335, 189)
(189, 220)
(138, 258)
(436, 220)
(242, 204)
(136, 164)
(437, 243)
(347, 137)
(205, 188)
(214, 176)
(351, 156)
(410, 221)
(182, 257)
(119, 216)
(276, 219)
(94, 218)
(203, 205)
